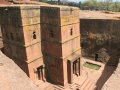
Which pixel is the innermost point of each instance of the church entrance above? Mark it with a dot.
(73, 68)
(41, 74)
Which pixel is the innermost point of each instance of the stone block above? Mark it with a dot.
(14, 52)
(32, 67)
(70, 47)
(69, 20)
(21, 35)
(47, 29)
(29, 13)
(61, 34)
(54, 70)
(50, 48)
(31, 34)
(13, 34)
(28, 54)
(69, 32)
(30, 21)
(33, 52)
(20, 15)
(59, 15)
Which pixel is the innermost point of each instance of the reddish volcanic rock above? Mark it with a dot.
(12, 77)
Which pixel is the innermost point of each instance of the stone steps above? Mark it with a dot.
(88, 86)
(80, 83)
(72, 87)
(58, 87)
(84, 84)
(82, 80)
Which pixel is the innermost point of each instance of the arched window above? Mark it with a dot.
(34, 35)
(71, 31)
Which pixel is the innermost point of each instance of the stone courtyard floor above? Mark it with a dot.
(99, 77)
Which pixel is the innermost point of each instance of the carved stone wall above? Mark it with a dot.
(100, 33)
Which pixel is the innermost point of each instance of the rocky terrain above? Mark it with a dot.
(113, 83)
(100, 30)
(12, 77)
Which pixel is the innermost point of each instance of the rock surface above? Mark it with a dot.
(113, 83)
(87, 14)
(9, 2)
(12, 77)
(100, 33)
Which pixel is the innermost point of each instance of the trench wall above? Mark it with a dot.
(100, 33)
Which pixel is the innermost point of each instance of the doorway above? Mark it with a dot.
(96, 57)
(73, 68)
(41, 74)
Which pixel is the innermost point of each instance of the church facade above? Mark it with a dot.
(43, 40)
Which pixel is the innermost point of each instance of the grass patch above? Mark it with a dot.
(92, 66)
